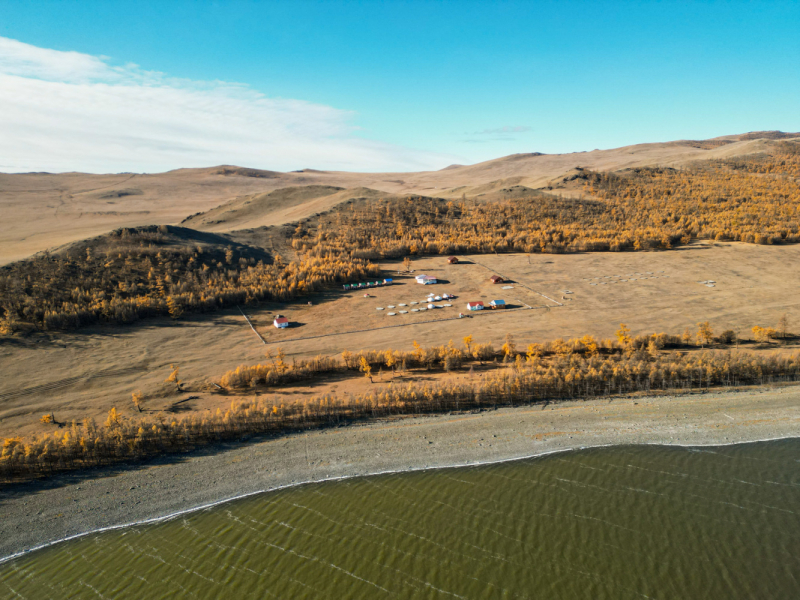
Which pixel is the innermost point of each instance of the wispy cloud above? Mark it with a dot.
(503, 130)
(498, 134)
(63, 111)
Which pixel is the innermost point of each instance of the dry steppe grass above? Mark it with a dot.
(84, 374)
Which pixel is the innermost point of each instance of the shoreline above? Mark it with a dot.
(39, 514)
(161, 519)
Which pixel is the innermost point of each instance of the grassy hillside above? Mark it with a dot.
(257, 209)
(278, 207)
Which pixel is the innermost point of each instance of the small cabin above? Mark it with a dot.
(475, 305)
(496, 279)
(281, 322)
(497, 304)
(425, 279)
(452, 260)
(387, 282)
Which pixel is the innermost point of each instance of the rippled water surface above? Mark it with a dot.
(627, 522)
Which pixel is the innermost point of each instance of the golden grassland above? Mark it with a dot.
(47, 210)
(87, 372)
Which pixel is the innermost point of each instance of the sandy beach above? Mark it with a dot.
(39, 513)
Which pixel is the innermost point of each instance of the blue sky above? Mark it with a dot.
(381, 85)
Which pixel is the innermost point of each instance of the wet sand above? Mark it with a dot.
(39, 513)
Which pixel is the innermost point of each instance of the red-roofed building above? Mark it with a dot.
(475, 305)
(281, 322)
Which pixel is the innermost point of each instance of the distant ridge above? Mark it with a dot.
(768, 135)
(41, 211)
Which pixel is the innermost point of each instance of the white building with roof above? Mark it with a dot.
(425, 279)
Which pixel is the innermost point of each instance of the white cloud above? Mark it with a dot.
(65, 111)
(18, 58)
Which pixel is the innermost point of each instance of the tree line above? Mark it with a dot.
(558, 370)
(277, 371)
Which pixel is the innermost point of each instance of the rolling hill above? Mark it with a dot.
(277, 207)
(44, 210)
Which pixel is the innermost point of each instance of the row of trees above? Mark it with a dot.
(275, 371)
(529, 379)
(135, 273)
(756, 200)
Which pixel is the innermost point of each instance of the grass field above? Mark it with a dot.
(86, 373)
(650, 291)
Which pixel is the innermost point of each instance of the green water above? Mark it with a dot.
(626, 522)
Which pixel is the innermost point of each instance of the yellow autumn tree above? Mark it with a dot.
(365, 368)
(704, 333)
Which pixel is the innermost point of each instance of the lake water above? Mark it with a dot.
(624, 522)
